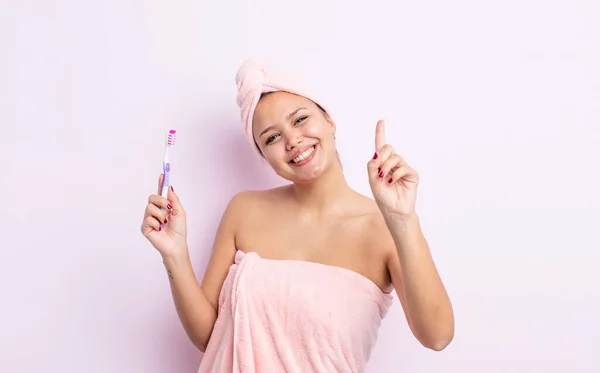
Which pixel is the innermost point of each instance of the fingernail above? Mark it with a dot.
(389, 181)
(375, 156)
(173, 189)
(165, 221)
(381, 174)
(159, 229)
(169, 206)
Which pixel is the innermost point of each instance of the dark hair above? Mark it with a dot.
(323, 111)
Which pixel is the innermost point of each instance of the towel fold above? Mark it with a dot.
(294, 316)
(253, 79)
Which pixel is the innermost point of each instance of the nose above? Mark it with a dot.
(293, 140)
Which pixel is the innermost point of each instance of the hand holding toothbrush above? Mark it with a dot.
(170, 239)
(164, 223)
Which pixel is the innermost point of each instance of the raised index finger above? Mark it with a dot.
(379, 135)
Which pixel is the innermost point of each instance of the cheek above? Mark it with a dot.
(315, 129)
(274, 153)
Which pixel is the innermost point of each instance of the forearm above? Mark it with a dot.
(428, 306)
(196, 313)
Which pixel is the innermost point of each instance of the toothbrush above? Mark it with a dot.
(167, 166)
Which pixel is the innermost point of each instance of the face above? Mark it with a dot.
(294, 136)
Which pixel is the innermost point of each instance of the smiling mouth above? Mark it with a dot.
(304, 156)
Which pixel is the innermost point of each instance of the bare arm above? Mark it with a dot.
(196, 313)
(419, 287)
(197, 304)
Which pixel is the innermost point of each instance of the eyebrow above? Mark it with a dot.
(290, 115)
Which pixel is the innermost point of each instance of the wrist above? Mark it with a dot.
(177, 257)
(395, 217)
(402, 225)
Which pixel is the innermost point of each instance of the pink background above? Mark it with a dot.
(496, 104)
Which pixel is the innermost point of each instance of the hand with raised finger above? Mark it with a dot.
(164, 223)
(393, 182)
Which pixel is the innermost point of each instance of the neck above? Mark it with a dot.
(322, 196)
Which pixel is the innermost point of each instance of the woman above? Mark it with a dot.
(300, 276)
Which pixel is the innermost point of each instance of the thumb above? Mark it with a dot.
(175, 202)
(160, 181)
(373, 170)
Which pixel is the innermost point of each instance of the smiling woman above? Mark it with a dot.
(300, 276)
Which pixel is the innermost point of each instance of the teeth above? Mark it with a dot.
(304, 155)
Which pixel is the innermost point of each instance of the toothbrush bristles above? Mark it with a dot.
(171, 138)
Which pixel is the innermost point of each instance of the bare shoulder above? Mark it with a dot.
(374, 243)
(241, 208)
(380, 238)
(247, 201)
(371, 211)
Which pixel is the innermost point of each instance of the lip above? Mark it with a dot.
(304, 161)
(300, 151)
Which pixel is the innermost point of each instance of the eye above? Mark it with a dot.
(301, 119)
(271, 138)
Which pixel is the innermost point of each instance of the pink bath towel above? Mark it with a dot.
(294, 316)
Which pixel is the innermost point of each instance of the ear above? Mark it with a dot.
(331, 123)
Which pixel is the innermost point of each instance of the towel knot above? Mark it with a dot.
(249, 80)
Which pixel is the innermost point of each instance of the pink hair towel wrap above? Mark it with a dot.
(253, 79)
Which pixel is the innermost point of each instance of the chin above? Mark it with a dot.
(303, 178)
